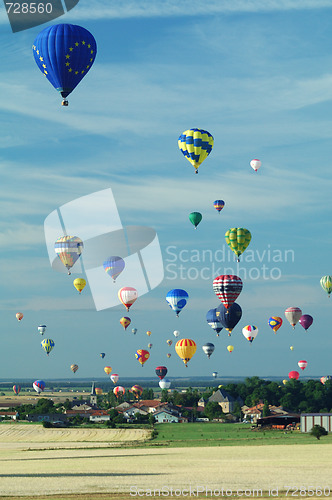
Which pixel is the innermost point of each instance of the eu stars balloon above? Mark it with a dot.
(227, 288)
(196, 145)
(177, 299)
(293, 315)
(69, 250)
(64, 53)
(79, 284)
(326, 284)
(47, 345)
(185, 349)
(275, 323)
(195, 218)
(114, 266)
(238, 238)
(219, 205)
(255, 164)
(306, 321)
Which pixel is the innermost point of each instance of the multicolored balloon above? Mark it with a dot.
(161, 371)
(165, 383)
(134, 331)
(125, 322)
(294, 374)
(41, 329)
(107, 370)
(169, 342)
(47, 345)
(255, 164)
(275, 323)
(150, 346)
(39, 386)
(102, 355)
(213, 320)
(99, 391)
(16, 389)
(127, 295)
(185, 349)
(250, 332)
(215, 374)
(326, 284)
(74, 368)
(302, 364)
(142, 356)
(119, 391)
(64, 53)
(148, 333)
(137, 390)
(114, 266)
(177, 299)
(238, 238)
(293, 315)
(195, 218)
(219, 205)
(227, 288)
(168, 354)
(325, 379)
(19, 316)
(196, 145)
(208, 349)
(306, 321)
(69, 250)
(230, 317)
(79, 284)
(114, 378)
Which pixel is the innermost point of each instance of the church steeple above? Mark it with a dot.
(93, 395)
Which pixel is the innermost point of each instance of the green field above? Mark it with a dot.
(219, 434)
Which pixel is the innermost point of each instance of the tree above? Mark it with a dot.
(317, 431)
(266, 409)
(213, 410)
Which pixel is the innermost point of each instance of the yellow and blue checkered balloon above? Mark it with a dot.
(238, 238)
(196, 145)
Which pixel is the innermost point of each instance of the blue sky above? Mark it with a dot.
(256, 75)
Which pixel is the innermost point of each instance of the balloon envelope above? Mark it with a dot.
(230, 348)
(227, 288)
(302, 364)
(64, 53)
(47, 345)
(196, 145)
(230, 317)
(107, 370)
(176, 333)
(164, 383)
(275, 323)
(41, 329)
(195, 218)
(294, 374)
(74, 368)
(250, 332)
(213, 320)
(39, 386)
(306, 321)
(215, 374)
(238, 238)
(142, 356)
(102, 355)
(125, 322)
(325, 379)
(326, 284)
(136, 390)
(185, 349)
(177, 299)
(161, 371)
(219, 205)
(69, 250)
(293, 315)
(255, 164)
(19, 316)
(114, 266)
(16, 389)
(127, 295)
(119, 391)
(114, 378)
(79, 284)
(208, 349)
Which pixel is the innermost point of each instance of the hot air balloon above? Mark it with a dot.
(64, 53)
(250, 332)
(169, 355)
(284, 381)
(19, 316)
(215, 374)
(149, 346)
(69, 250)
(41, 329)
(127, 295)
(169, 342)
(302, 364)
(195, 144)
(102, 355)
(107, 370)
(275, 323)
(161, 372)
(219, 205)
(47, 345)
(125, 322)
(230, 317)
(294, 374)
(142, 356)
(176, 333)
(177, 299)
(293, 314)
(291, 348)
(74, 368)
(195, 218)
(238, 238)
(16, 389)
(306, 321)
(185, 349)
(79, 284)
(208, 349)
(255, 164)
(134, 331)
(114, 378)
(165, 383)
(325, 379)
(227, 288)
(213, 321)
(326, 284)
(230, 348)
(119, 391)
(136, 390)
(99, 391)
(39, 386)
(148, 333)
(114, 266)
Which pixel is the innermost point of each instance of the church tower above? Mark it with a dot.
(93, 395)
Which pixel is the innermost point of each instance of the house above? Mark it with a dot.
(9, 414)
(82, 407)
(99, 416)
(81, 413)
(51, 417)
(255, 413)
(308, 420)
(278, 421)
(149, 405)
(225, 400)
(133, 410)
(165, 416)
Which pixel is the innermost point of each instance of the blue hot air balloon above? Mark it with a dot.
(102, 355)
(64, 53)
(177, 299)
(113, 266)
(230, 317)
(213, 321)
